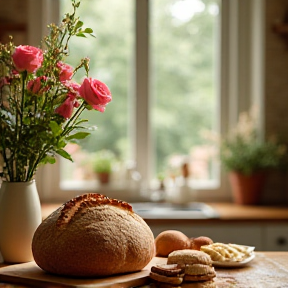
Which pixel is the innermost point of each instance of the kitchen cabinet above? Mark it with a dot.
(245, 234)
(265, 227)
(276, 237)
(264, 237)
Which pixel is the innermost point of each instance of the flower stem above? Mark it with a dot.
(73, 119)
(32, 168)
(19, 117)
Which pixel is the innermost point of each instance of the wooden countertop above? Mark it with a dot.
(267, 269)
(228, 212)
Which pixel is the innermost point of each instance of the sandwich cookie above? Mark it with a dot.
(198, 265)
(170, 274)
(185, 268)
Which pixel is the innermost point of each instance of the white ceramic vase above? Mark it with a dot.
(20, 215)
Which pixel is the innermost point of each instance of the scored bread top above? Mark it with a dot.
(189, 256)
(85, 201)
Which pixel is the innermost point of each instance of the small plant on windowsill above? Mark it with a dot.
(244, 151)
(103, 162)
(248, 158)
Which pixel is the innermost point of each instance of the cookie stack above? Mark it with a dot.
(185, 268)
(171, 274)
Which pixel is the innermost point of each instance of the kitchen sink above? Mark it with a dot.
(193, 210)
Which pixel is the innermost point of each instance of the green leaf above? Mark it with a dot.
(77, 4)
(81, 34)
(78, 127)
(56, 129)
(61, 143)
(79, 24)
(64, 154)
(48, 159)
(81, 121)
(88, 30)
(88, 107)
(26, 121)
(79, 135)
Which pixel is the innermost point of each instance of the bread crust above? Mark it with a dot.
(95, 237)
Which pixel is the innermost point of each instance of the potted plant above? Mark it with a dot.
(103, 162)
(248, 158)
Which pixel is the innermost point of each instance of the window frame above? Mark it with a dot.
(240, 84)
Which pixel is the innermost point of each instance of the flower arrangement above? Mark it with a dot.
(40, 104)
(242, 150)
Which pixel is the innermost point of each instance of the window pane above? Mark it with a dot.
(110, 56)
(184, 40)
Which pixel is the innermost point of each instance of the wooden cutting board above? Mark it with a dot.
(267, 269)
(30, 274)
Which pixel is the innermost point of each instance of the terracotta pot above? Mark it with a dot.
(103, 177)
(247, 189)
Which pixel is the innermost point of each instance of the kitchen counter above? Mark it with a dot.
(267, 269)
(228, 212)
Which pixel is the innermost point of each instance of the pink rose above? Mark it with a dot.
(66, 71)
(95, 93)
(36, 85)
(67, 107)
(27, 58)
(73, 87)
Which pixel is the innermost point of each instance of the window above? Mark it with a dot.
(184, 39)
(111, 61)
(161, 60)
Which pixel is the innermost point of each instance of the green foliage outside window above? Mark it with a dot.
(182, 74)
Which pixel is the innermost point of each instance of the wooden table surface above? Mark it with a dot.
(267, 269)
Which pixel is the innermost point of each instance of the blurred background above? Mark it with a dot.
(180, 72)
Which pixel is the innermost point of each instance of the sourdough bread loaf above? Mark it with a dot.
(92, 235)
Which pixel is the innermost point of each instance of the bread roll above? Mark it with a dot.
(92, 235)
(169, 241)
(197, 242)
